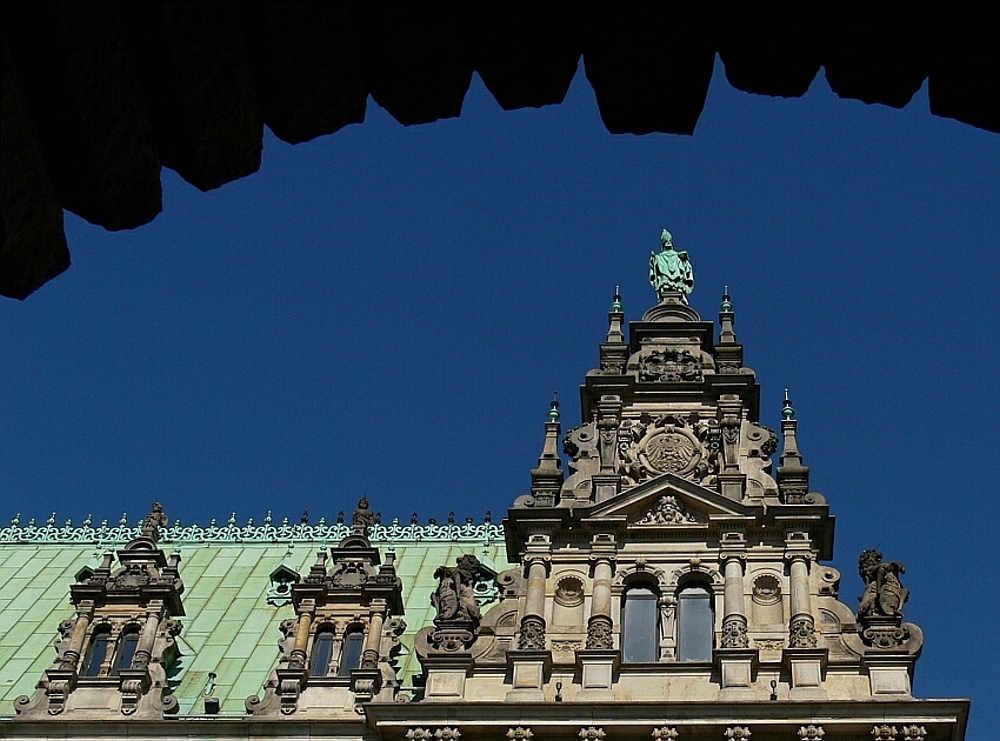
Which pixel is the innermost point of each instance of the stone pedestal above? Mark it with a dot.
(529, 670)
(598, 672)
(889, 673)
(737, 670)
(807, 670)
(446, 673)
(606, 486)
(732, 485)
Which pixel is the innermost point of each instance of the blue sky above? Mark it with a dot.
(387, 310)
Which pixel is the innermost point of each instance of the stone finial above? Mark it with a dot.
(793, 476)
(547, 478)
(670, 270)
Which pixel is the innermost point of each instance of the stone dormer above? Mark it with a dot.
(339, 650)
(116, 656)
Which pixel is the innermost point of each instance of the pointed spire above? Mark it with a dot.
(616, 318)
(727, 320)
(793, 476)
(547, 479)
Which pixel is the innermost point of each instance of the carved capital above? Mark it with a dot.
(734, 632)
(532, 635)
(802, 632)
(599, 633)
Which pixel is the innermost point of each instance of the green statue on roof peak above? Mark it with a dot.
(670, 270)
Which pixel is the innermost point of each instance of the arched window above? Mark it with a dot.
(322, 652)
(695, 623)
(97, 652)
(350, 655)
(126, 649)
(640, 635)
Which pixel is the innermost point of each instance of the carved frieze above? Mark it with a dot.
(670, 365)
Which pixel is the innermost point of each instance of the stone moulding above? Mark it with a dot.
(267, 532)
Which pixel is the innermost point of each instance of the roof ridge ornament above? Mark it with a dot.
(670, 271)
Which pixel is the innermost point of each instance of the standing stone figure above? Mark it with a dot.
(153, 522)
(454, 598)
(363, 517)
(670, 270)
(884, 594)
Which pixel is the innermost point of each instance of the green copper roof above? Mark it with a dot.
(229, 628)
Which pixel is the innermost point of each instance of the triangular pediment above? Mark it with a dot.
(669, 501)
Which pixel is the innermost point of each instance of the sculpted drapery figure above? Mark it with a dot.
(454, 599)
(669, 269)
(884, 593)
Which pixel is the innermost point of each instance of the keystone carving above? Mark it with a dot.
(668, 511)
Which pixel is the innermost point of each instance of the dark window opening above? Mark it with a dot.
(126, 651)
(97, 652)
(322, 653)
(350, 657)
(695, 624)
(640, 632)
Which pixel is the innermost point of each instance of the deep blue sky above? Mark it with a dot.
(386, 311)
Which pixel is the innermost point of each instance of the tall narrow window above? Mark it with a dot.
(97, 652)
(322, 652)
(126, 650)
(350, 657)
(639, 617)
(695, 624)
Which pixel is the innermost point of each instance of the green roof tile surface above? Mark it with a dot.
(229, 628)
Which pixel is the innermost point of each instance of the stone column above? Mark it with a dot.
(737, 663)
(144, 650)
(299, 655)
(532, 635)
(806, 662)
(373, 641)
(530, 662)
(599, 660)
(71, 656)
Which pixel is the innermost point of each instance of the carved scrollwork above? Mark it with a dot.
(668, 444)
(811, 733)
(885, 636)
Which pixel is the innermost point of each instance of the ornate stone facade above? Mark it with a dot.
(672, 568)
